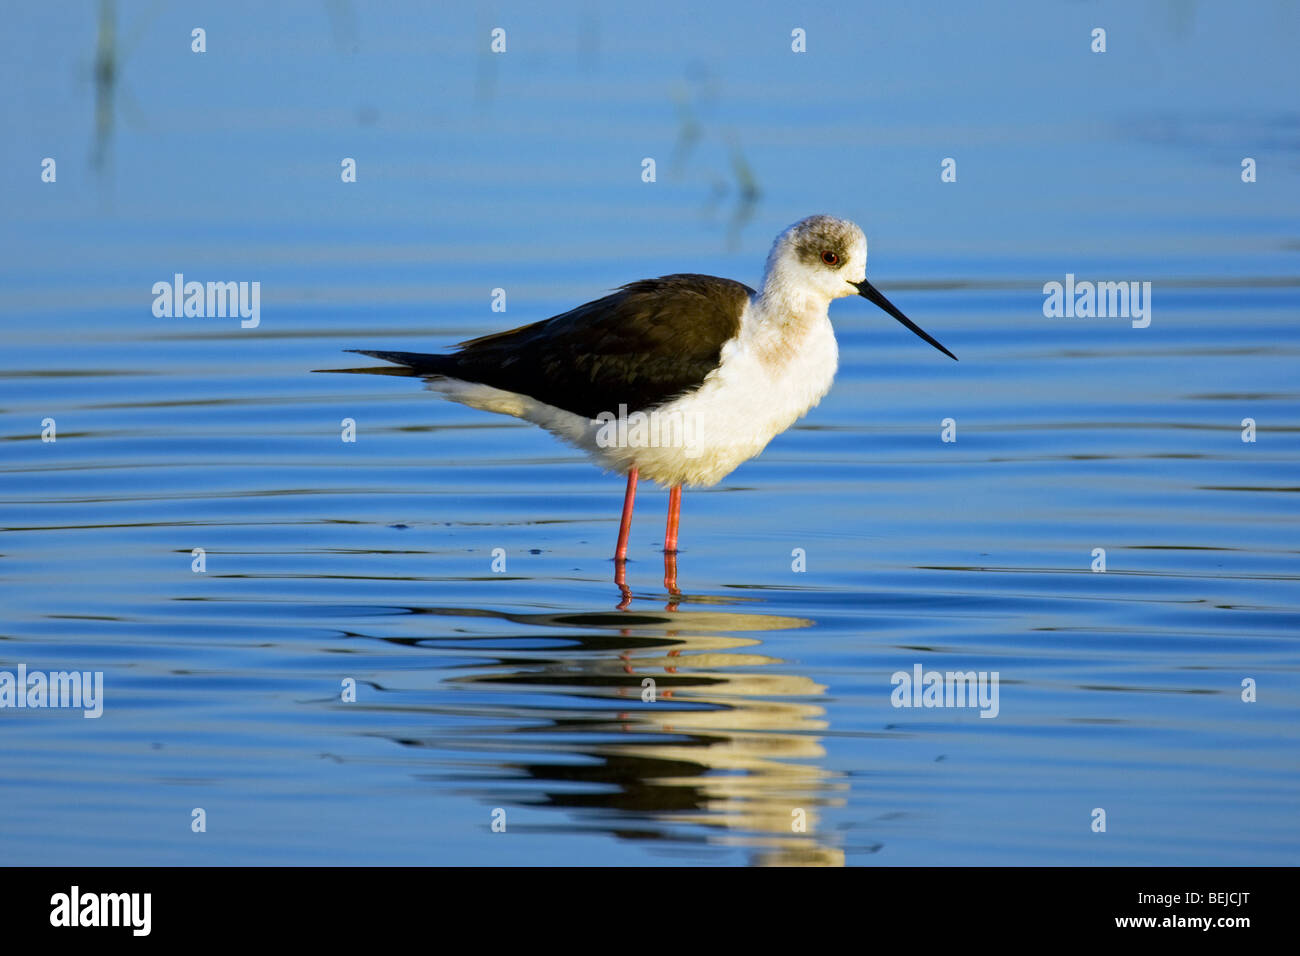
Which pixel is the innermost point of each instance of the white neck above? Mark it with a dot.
(782, 316)
(786, 300)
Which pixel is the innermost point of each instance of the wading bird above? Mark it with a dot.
(678, 379)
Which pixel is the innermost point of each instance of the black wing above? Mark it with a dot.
(640, 346)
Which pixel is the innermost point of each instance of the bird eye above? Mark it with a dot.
(830, 258)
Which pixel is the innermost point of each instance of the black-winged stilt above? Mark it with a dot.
(678, 379)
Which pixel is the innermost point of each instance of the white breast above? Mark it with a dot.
(769, 376)
(766, 380)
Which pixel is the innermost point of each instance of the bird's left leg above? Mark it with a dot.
(670, 578)
(674, 517)
(670, 539)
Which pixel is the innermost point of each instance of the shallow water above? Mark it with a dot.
(520, 690)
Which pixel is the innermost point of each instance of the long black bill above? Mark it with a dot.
(872, 294)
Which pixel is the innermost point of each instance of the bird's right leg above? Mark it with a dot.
(624, 529)
(620, 552)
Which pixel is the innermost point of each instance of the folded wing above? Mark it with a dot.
(641, 346)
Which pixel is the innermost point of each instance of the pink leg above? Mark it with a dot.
(674, 517)
(670, 577)
(624, 529)
(620, 580)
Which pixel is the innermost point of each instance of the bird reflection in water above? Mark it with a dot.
(667, 726)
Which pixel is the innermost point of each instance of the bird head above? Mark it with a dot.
(826, 258)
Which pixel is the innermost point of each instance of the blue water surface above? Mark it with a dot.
(860, 544)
